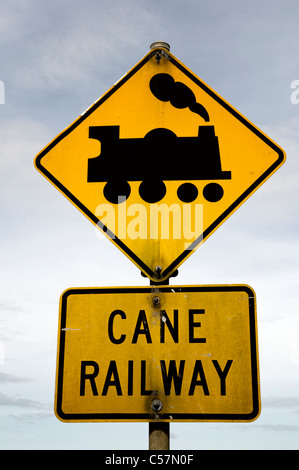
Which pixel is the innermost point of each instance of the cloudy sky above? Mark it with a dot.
(56, 58)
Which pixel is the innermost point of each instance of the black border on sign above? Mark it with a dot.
(146, 269)
(72, 417)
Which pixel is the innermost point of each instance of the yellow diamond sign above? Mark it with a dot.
(159, 162)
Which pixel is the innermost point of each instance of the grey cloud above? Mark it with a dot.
(56, 59)
(6, 400)
(27, 410)
(4, 378)
(286, 403)
(8, 306)
(83, 39)
(279, 427)
(28, 417)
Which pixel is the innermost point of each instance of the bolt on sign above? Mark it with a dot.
(159, 162)
(180, 353)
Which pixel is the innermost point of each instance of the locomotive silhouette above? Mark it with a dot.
(177, 158)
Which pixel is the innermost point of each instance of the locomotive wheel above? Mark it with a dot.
(152, 191)
(117, 191)
(213, 192)
(187, 192)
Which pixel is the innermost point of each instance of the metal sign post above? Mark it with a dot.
(159, 432)
(159, 436)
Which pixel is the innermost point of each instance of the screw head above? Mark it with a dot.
(157, 405)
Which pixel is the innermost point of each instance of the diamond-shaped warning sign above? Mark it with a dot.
(159, 162)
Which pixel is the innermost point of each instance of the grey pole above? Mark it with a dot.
(158, 436)
(159, 431)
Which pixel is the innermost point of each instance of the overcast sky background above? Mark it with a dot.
(58, 57)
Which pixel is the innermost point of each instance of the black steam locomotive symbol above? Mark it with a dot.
(160, 156)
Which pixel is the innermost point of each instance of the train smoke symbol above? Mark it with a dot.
(165, 88)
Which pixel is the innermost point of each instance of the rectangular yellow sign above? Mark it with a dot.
(171, 353)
